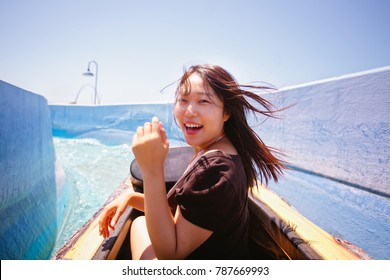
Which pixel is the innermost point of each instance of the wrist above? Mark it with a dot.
(154, 182)
(153, 173)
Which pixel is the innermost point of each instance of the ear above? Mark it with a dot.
(226, 116)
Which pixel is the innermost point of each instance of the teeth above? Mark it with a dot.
(193, 125)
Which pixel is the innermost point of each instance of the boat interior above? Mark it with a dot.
(277, 231)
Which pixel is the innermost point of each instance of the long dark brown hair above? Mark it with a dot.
(259, 160)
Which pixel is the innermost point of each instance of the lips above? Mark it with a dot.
(191, 128)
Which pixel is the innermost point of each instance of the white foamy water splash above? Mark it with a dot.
(92, 172)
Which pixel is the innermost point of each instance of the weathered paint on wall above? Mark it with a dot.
(27, 179)
(339, 128)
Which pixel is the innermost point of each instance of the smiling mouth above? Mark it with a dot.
(192, 127)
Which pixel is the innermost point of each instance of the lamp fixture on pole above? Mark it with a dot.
(90, 74)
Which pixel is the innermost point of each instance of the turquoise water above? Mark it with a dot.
(92, 172)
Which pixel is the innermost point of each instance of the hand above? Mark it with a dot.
(112, 212)
(150, 146)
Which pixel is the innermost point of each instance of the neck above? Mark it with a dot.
(201, 151)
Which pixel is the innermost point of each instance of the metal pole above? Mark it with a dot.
(96, 77)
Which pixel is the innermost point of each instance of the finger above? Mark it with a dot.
(104, 232)
(103, 229)
(155, 123)
(102, 221)
(105, 219)
(114, 221)
(107, 227)
(163, 133)
(135, 137)
(155, 126)
(147, 128)
(140, 131)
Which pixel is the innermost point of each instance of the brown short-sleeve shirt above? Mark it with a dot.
(213, 195)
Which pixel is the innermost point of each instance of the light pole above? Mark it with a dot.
(90, 74)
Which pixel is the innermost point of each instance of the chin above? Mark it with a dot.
(190, 142)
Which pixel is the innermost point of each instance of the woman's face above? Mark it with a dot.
(200, 114)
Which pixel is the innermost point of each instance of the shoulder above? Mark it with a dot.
(216, 164)
(214, 172)
(217, 158)
(212, 190)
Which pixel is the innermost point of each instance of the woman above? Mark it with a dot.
(205, 215)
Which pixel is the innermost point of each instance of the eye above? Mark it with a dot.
(181, 100)
(204, 101)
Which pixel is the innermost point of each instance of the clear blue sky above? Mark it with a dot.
(142, 46)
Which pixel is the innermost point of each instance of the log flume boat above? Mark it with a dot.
(277, 230)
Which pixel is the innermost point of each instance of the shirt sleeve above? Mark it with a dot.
(207, 197)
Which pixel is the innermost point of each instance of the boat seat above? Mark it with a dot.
(175, 164)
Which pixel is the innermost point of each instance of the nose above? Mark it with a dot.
(190, 110)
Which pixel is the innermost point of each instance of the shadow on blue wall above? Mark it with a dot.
(27, 182)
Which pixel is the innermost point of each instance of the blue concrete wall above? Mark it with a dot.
(338, 128)
(27, 178)
(111, 123)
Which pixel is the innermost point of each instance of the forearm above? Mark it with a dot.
(112, 211)
(137, 201)
(159, 220)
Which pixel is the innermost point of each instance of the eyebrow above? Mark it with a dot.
(208, 94)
